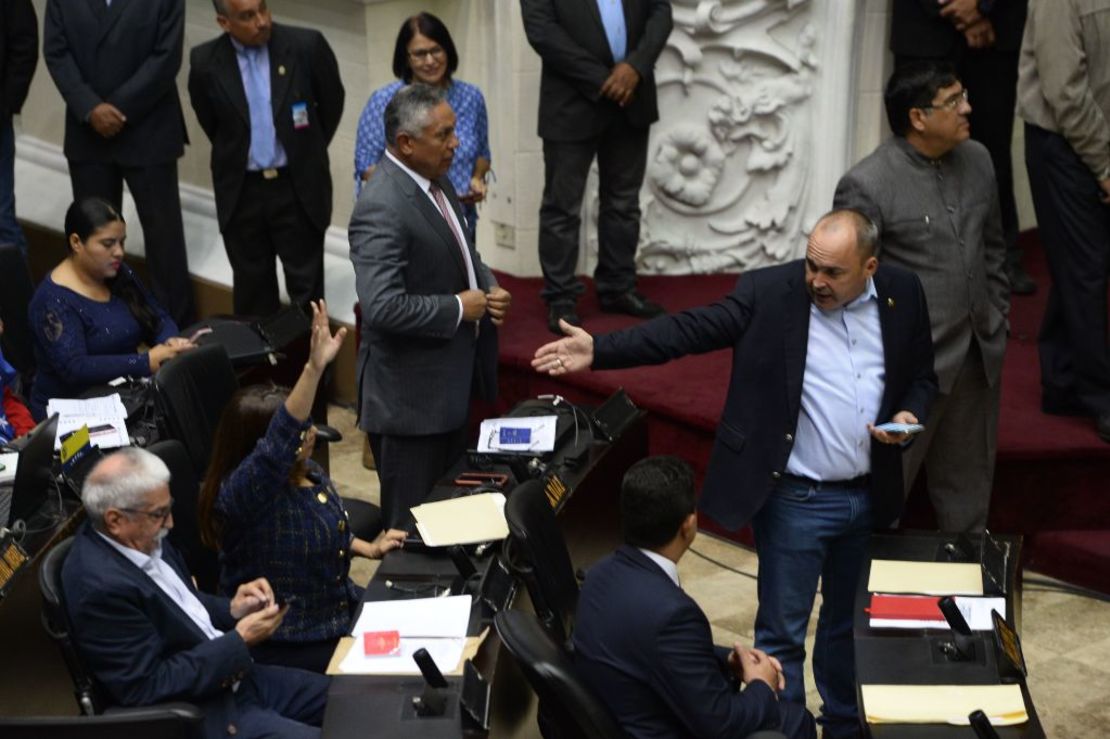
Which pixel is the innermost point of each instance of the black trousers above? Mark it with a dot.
(621, 152)
(1075, 230)
(990, 77)
(154, 189)
(409, 467)
(270, 223)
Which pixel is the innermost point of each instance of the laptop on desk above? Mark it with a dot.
(33, 477)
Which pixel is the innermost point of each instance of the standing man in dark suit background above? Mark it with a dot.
(644, 645)
(269, 98)
(19, 51)
(823, 348)
(430, 307)
(115, 63)
(982, 40)
(597, 97)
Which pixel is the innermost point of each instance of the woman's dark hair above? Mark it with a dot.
(84, 218)
(243, 423)
(428, 25)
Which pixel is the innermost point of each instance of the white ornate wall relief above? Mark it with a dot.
(743, 86)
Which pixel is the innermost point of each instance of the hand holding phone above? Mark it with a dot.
(893, 427)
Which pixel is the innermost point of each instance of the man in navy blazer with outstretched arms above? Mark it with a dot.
(823, 349)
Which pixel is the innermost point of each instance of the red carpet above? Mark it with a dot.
(1051, 473)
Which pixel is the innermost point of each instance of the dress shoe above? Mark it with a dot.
(631, 303)
(1102, 426)
(565, 310)
(1020, 281)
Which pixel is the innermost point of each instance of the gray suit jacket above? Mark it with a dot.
(416, 367)
(126, 54)
(940, 219)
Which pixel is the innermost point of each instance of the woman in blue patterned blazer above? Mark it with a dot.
(424, 53)
(274, 513)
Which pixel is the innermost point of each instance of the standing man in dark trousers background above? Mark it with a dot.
(19, 51)
(269, 97)
(597, 97)
(115, 63)
(982, 39)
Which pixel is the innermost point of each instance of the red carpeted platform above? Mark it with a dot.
(1052, 471)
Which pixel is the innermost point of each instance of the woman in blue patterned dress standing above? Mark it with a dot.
(424, 53)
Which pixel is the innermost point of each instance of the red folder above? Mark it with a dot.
(905, 607)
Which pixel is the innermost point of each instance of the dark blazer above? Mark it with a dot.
(303, 69)
(645, 648)
(416, 367)
(765, 319)
(126, 54)
(570, 38)
(140, 645)
(19, 52)
(917, 28)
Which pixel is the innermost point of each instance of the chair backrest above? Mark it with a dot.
(56, 622)
(204, 563)
(537, 552)
(165, 721)
(14, 298)
(568, 708)
(192, 390)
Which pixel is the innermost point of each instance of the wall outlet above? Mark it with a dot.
(504, 235)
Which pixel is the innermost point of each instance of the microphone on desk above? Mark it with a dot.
(962, 646)
(433, 701)
(982, 725)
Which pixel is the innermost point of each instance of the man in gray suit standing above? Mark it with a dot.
(430, 307)
(932, 193)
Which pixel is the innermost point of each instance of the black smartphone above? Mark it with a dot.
(285, 600)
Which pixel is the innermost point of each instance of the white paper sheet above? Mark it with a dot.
(105, 416)
(416, 617)
(10, 462)
(976, 611)
(466, 520)
(526, 434)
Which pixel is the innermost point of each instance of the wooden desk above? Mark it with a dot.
(589, 517)
(905, 656)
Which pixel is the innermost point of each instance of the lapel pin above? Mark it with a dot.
(281, 70)
(890, 302)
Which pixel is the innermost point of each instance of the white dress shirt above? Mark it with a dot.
(665, 564)
(841, 391)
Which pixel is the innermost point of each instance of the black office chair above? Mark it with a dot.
(167, 721)
(99, 719)
(537, 553)
(14, 298)
(568, 708)
(203, 563)
(192, 390)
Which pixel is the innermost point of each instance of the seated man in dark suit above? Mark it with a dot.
(644, 646)
(148, 636)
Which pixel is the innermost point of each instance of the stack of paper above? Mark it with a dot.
(466, 520)
(927, 578)
(436, 624)
(922, 611)
(942, 704)
(8, 464)
(105, 416)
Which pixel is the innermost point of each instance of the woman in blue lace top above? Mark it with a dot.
(425, 53)
(274, 513)
(90, 315)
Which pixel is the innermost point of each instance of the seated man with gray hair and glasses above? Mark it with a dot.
(148, 636)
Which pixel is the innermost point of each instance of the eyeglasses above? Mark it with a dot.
(435, 52)
(158, 514)
(951, 103)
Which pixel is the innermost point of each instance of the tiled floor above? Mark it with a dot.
(1066, 637)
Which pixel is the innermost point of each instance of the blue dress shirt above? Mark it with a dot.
(612, 17)
(266, 150)
(841, 391)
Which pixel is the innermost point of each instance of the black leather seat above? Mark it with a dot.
(192, 390)
(163, 721)
(203, 563)
(537, 553)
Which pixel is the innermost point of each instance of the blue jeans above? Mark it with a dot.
(10, 232)
(804, 532)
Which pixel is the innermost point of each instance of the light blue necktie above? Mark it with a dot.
(262, 118)
(612, 17)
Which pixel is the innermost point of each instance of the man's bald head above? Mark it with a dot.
(122, 480)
